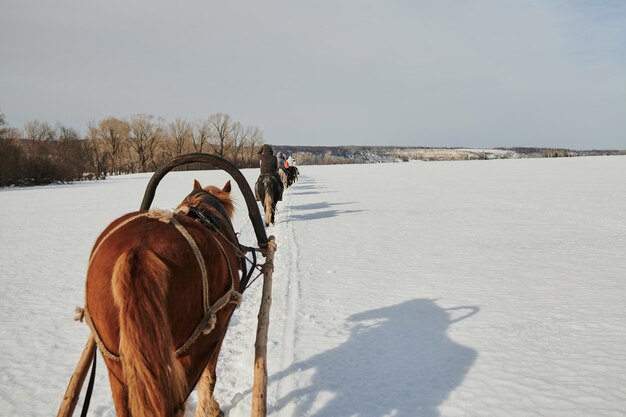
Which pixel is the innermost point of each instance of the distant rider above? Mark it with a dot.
(282, 169)
(269, 166)
(280, 157)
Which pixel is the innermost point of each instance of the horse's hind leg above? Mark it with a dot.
(268, 217)
(268, 208)
(120, 397)
(207, 405)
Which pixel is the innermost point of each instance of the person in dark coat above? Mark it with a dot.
(267, 160)
(269, 166)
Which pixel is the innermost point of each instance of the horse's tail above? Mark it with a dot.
(268, 205)
(155, 380)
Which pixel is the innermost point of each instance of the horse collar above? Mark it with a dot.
(204, 218)
(211, 201)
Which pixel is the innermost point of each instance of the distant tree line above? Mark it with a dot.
(42, 154)
(545, 152)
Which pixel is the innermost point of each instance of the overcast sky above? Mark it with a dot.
(482, 73)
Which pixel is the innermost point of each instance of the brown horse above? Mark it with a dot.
(161, 288)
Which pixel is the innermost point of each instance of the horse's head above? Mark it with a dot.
(200, 197)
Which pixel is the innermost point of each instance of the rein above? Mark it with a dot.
(90, 384)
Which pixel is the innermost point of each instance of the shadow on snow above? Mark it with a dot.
(398, 361)
(321, 212)
(308, 187)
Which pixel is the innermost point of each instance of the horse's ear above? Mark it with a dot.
(196, 185)
(227, 187)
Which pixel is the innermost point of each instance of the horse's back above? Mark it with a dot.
(159, 236)
(134, 230)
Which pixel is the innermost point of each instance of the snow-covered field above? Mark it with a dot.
(479, 288)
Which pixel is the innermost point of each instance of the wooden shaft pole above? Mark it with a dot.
(259, 389)
(76, 381)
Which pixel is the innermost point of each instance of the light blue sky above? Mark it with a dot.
(481, 73)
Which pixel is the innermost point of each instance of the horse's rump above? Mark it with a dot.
(158, 251)
(268, 184)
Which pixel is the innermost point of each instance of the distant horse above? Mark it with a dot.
(268, 192)
(292, 175)
(161, 288)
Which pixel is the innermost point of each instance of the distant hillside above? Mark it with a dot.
(326, 155)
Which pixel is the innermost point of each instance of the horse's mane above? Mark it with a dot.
(224, 198)
(200, 199)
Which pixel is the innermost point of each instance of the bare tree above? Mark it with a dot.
(255, 140)
(4, 127)
(200, 134)
(11, 154)
(36, 130)
(65, 133)
(114, 135)
(179, 134)
(67, 153)
(236, 143)
(144, 135)
(93, 150)
(222, 126)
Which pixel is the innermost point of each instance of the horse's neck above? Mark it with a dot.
(214, 209)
